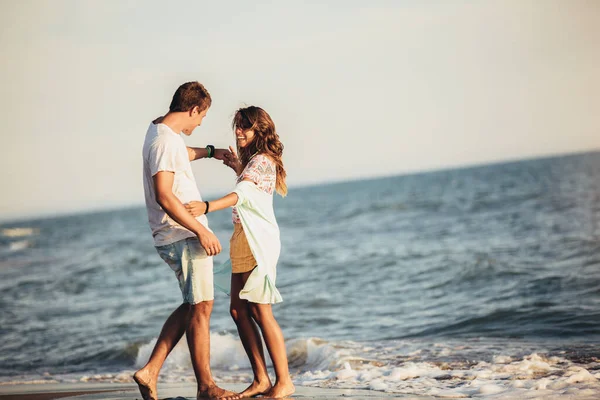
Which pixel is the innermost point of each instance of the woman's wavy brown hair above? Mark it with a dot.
(266, 141)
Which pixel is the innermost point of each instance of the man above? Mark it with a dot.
(185, 243)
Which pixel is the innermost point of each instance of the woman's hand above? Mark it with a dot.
(222, 154)
(196, 208)
(232, 161)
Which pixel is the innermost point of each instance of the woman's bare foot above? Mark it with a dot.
(215, 392)
(146, 383)
(256, 388)
(281, 390)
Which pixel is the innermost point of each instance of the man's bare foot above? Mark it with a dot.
(146, 383)
(214, 392)
(256, 388)
(281, 390)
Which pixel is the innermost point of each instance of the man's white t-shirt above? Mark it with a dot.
(165, 150)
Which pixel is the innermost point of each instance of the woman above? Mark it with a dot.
(255, 246)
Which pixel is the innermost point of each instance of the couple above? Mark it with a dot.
(177, 217)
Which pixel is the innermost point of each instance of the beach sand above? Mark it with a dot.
(172, 391)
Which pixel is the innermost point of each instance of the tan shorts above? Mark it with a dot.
(192, 267)
(240, 254)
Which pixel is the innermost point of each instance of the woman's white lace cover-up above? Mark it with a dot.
(263, 172)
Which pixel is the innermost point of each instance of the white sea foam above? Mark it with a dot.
(226, 353)
(315, 362)
(393, 369)
(533, 376)
(19, 232)
(578, 374)
(19, 245)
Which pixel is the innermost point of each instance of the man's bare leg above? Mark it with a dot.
(250, 337)
(172, 331)
(273, 336)
(198, 338)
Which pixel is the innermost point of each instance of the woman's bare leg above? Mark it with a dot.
(263, 315)
(250, 337)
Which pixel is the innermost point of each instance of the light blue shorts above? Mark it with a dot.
(193, 269)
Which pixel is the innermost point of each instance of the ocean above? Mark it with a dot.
(472, 282)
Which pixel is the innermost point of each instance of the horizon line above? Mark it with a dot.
(49, 215)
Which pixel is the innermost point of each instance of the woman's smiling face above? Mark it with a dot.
(244, 137)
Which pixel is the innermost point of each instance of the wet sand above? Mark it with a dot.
(172, 391)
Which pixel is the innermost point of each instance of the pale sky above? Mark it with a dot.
(356, 88)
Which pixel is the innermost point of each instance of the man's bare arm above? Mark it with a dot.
(196, 153)
(163, 184)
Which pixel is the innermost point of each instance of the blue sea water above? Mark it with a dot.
(464, 282)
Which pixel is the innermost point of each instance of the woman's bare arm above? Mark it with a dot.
(197, 208)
